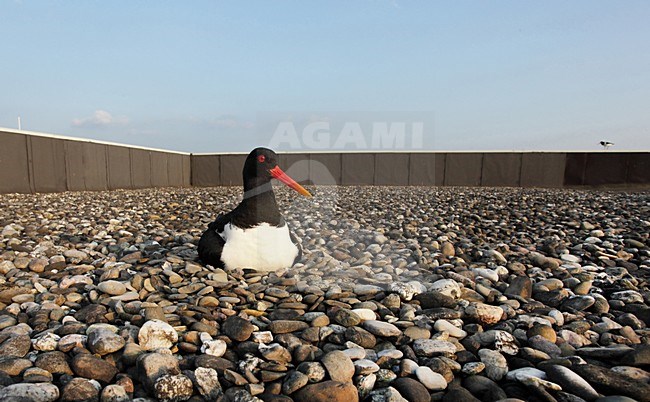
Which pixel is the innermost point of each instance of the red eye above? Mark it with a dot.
(261, 158)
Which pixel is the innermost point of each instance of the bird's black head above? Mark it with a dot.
(259, 163)
(261, 166)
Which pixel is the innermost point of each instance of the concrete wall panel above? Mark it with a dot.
(605, 168)
(463, 169)
(14, 163)
(231, 169)
(392, 169)
(159, 175)
(119, 167)
(187, 170)
(427, 169)
(35, 163)
(296, 166)
(175, 170)
(140, 168)
(542, 169)
(501, 169)
(74, 162)
(574, 171)
(358, 169)
(205, 170)
(95, 171)
(638, 168)
(48, 164)
(325, 169)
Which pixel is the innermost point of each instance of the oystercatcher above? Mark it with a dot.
(254, 235)
(606, 144)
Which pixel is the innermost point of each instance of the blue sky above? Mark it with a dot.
(204, 76)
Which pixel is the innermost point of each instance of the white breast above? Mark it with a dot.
(263, 247)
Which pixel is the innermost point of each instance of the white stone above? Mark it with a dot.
(380, 328)
(446, 326)
(447, 287)
(497, 256)
(557, 316)
(216, 347)
(520, 373)
(363, 290)
(365, 314)
(628, 296)
(262, 337)
(430, 379)
(365, 366)
(392, 353)
(42, 392)
(484, 313)
(156, 334)
(75, 280)
(570, 258)
(488, 274)
(433, 347)
(47, 342)
(355, 353)
(207, 382)
(496, 366)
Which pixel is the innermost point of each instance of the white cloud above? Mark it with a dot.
(231, 122)
(100, 118)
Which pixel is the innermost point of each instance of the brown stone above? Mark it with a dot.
(328, 391)
(237, 328)
(287, 326)
(89, 366)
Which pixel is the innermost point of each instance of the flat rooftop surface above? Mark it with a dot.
(410, 287)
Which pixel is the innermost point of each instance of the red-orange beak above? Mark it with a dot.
(277, 173)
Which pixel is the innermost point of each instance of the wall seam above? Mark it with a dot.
(107, 165)
(30, 164)
(65, 165)
(480, 182)
(131, 170)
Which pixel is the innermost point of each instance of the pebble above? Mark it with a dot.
(571, 382)
(113, 288)
(207, 382)
(446, 326)
(339, 366)
(453, 282)
(381, 328)
(446, 287)
(156, 334)
(496, 366)
(433, 347)
(328, 391)
(173, 388)
(433, 381)
(237, 328)
(411, 390)
(103, 342)
(114, 393)
(43, 392)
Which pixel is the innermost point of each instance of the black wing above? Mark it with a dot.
(295, 241)
(211, 244)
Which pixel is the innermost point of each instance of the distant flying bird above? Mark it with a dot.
(606, 144)
(254, 235)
